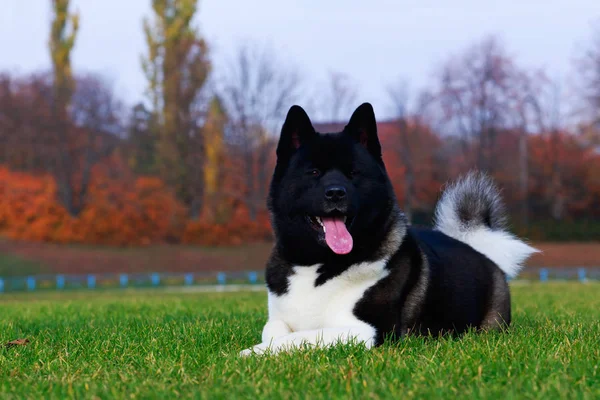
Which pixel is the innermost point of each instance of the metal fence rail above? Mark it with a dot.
(113, 280)
(543, 274)
(157, 279)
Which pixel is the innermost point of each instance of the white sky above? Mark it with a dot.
(375, 44)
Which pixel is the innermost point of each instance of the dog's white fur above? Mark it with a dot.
(501, 247)
(321, 315)
(504, 249)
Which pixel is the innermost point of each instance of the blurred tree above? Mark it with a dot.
(398, 94)
(589, 87)
(214, 130)
(96, 128)
(482, 95)
(29, 140)
(141, 140)
(333, 99)
(414, 145)
(339, 98)
(552, 126)
(25, 114)
(176, 68)
(62, 41)
(256, 91)
(529, 118)
(477, 93)
(63, 33)
(571, 193)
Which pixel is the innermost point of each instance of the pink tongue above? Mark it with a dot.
(337, 236)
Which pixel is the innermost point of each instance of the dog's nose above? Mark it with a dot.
(335, 193)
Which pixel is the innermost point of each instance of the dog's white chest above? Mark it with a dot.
(306, 306)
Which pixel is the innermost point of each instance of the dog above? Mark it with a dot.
(346, 265)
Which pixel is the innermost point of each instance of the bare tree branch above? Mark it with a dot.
(257, 90)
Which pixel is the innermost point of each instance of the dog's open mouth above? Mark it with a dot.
(336, 233)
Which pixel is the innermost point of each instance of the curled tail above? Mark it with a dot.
(472, 211)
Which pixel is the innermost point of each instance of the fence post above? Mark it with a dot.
(543, 275)
(581, 275)
(155, 279)
(30, 283)
(91, 281)
(123, 278)
(221, 278)
(252, 277)
(60, 281)
(1, 285)
(189, 279)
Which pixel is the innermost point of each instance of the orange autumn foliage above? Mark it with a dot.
(117, 213)
(237, 230)
(127, 210)
(565, 172)
(424, 145)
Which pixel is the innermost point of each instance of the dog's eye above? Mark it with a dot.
(354, 172)
(313, 172)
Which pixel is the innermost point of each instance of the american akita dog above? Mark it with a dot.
(346, 266)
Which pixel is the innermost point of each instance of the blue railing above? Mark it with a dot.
(155, 279)
(122, 280)
(581, 274)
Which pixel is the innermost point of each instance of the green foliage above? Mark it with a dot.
(176, 68)
(560, 231)
(144, 345)
(11, 265)
(62, 41)
(213, 132)
(539, 230)
(141, 141)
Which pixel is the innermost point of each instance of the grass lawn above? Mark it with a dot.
(164, 345)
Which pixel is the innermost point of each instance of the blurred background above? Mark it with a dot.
(138, 136)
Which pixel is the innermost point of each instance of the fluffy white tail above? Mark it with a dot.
(471, 211)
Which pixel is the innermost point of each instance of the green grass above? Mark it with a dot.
(162, 345)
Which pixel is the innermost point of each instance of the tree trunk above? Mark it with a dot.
(251, 196)
(523, 177)
(409, 174)
(263, 171)
(409, 182)
(194, 169)
(62, 163)
(557, 200)
(196, 207)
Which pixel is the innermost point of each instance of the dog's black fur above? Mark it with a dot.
(435, 284)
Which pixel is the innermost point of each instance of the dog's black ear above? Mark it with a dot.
(363, 128)
(297, 130)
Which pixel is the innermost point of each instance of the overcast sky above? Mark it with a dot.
(374, 43)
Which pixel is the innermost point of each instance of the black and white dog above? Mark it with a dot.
(347, 267)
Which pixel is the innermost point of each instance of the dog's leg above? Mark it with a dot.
(274, 329)
(317, 337)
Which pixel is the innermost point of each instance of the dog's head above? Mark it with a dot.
(330, 196)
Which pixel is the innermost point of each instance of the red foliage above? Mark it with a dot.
(237, 231)
(121, 212)
(125, 210)
(564, 175)
(421, 144)
(118, 212)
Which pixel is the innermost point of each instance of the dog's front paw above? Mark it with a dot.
(245, 353)
(258, 350)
